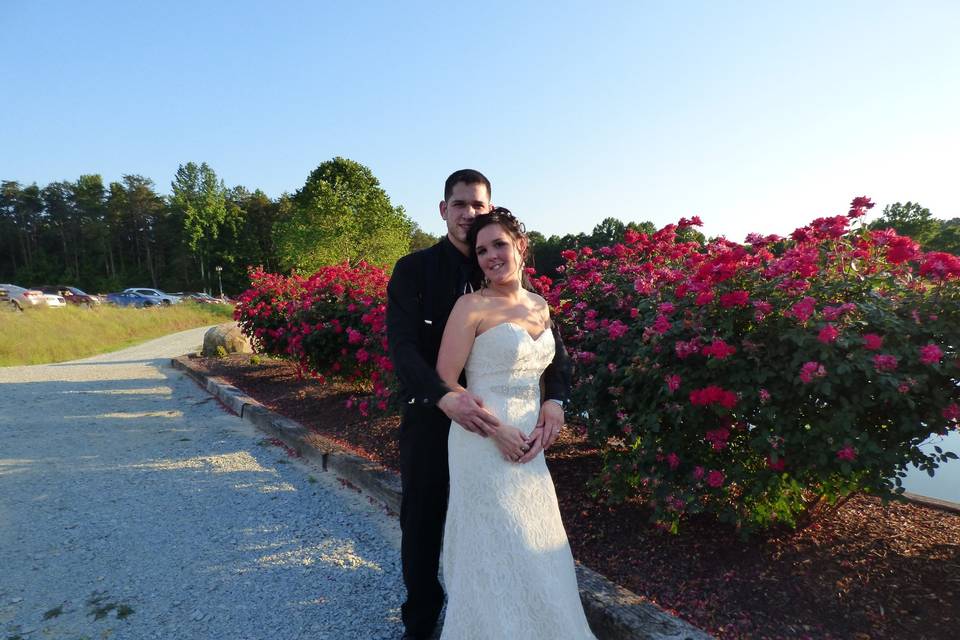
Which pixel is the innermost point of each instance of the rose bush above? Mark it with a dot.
(339, 329)
(333, 324)
(754, 381)
(763, 380)
(262, 311)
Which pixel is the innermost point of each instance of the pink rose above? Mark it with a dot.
(804, 309)
(718, 349)
(952, 412)
(847, 453)
(617, 329)
(884, 362)
(715, 479)
(718, 438)
(738, 298)
(811, 370)
(779, 465)
(673, 382)
(930, 354)
(673, 460)
(661, 325)
(828, 334)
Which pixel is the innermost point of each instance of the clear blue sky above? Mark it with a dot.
(757, 116)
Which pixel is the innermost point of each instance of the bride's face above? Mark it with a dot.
(499, 255)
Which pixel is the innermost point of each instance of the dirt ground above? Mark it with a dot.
(867, 571)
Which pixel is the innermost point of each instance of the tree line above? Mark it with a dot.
(106, 237)
(103, 237)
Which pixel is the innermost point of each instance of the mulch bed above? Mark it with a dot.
(866, 571)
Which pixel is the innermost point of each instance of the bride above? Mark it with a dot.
(507, 565)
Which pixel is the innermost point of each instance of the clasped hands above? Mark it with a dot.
(467, 410)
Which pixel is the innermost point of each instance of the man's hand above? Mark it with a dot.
(467, 410)
(551, 421)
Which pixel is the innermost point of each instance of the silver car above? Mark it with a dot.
(165, 298)
(19, 298)
(54, 300)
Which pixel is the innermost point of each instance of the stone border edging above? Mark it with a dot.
(933, 503)
(614, 613)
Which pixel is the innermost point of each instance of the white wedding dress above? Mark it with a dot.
(507, 566)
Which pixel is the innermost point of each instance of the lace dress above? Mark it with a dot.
(507, 566)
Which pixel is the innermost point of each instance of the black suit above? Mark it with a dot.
(422, 291)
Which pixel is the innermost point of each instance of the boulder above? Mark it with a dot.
(228, 336)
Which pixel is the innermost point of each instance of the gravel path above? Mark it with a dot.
(132, 505)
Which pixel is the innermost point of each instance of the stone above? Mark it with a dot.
(228, 336)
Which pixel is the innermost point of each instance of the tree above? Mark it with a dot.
(608, 233)
(420, 239)
(199, 202)
(947, 238)
(19, 220)
(89, 201)
(342, 214)
(910, 219)
(60, 214)
(141, 211)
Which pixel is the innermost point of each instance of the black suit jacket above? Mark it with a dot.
(422, 291)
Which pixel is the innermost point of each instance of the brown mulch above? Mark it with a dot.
(866, 571)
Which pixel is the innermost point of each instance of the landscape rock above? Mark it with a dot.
(228, 336)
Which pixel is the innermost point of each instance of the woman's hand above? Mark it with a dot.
(535, 442)
(511, 442)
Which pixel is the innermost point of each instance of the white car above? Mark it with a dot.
(53, 300)
(165, 298)
(20, 298)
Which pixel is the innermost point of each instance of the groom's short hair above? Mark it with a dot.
(466, 176)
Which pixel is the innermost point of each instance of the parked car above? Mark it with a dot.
(198, 296)
(20, 298)
(131, 299)
(72, 295)
(54, 301)
(165, 298)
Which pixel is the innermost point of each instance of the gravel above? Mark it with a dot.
(132, 505)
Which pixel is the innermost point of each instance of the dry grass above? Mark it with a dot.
(56, 335)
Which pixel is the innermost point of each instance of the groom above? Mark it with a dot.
(422, 291)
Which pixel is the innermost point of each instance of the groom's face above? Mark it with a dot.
(465, 203)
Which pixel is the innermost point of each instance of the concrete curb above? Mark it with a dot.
(615, 613)
(933, 503)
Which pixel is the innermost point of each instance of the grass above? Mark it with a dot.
(39, 336)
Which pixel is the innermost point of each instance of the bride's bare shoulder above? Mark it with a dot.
(471, 303)
(537, 301)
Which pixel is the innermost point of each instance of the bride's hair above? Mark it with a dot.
(514, 228)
